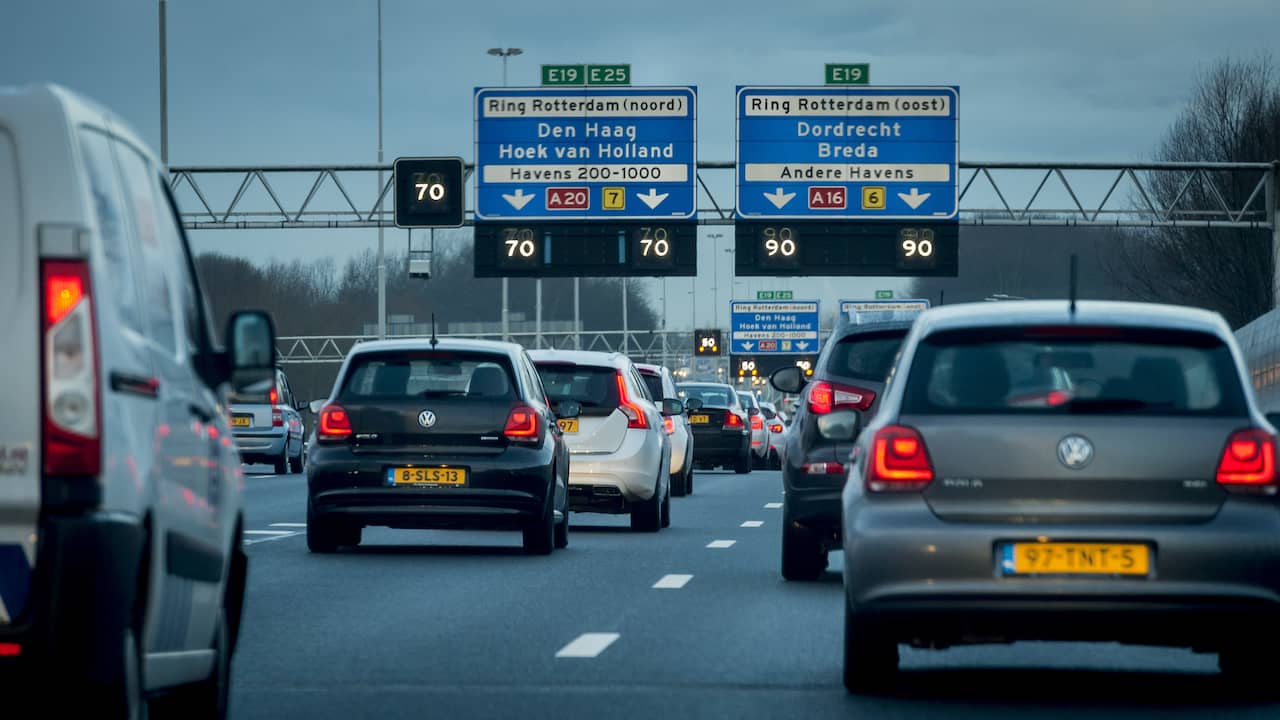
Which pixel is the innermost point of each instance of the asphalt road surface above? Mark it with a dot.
(694, 621)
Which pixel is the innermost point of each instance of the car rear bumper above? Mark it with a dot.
(502, 492)
(79, 601)
(933, 579)
(633, 471)
(254, 448)
(719, 448)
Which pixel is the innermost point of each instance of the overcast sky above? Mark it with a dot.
(294, 81)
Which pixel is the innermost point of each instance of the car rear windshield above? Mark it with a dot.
(865, 356)
(433, 374)
(712, 396)
(1075, 369)
(654, 383)
(594, 388)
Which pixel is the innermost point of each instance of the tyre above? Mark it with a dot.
(539, 535)
(295, 465)
(1246, 664)
(281, 463)
(666, 508)
(646, 515)
(688, 480)
(562, 531)
(322, 536)
(870, 657)
(803, 557)
(743, 465)
(207, 699)
(678, 488)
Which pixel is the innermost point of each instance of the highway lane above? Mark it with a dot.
(433, 624)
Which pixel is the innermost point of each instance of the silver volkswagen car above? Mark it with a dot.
(1046, 471)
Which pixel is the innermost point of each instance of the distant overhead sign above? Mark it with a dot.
(847, 152)
(587, 153)
(767, 328)
(586, 74)
(706, 342)
(862, 312)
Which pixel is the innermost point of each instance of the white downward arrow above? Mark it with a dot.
(802, 345)
(653, 199)
(747, 345)
(914, 198)
(779, 198)
(519, 199)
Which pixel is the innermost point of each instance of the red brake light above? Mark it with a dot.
(899, 461)
(1249, 459)
(277, 417)
(635, 413)
(825, 397)
(335, 424)
(10, 649)
(669, 425)
(71, 441)
(522, 425)
(775, 428)
(757, 423)
(733, 420)
(273, 397)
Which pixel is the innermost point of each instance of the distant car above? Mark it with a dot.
(759, 431)
(849, 374)
(452, 434)
(661, 387)
(621, 450)
(1138, 506)
(270, 432)
(721, 431)
(121, 510)
(776, 424)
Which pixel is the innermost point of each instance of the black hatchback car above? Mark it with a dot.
(849, 376)
(721, 426)
(447, 434)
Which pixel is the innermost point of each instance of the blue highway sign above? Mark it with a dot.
(853, 153)
(773, 327)
(586, 153)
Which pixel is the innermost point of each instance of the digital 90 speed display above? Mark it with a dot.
(808, 248)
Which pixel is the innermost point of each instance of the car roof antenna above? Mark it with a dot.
(434, 340)
(1072, 307)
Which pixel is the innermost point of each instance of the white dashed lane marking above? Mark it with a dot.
(268, 532)
(587, 645)
(721, 544)
(752, 523)
(772, 506)
(294, 525)
(672, 582)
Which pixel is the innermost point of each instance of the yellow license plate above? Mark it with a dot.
(699, 419)
(1060, 558)
(427, 476)
(569, 425)
(241, 421)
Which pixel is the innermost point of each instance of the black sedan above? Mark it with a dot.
(438, 434)
(720, 424)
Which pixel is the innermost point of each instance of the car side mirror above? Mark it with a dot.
(671, 406)
(789, 380)
(568, 409)
(301, 405)
(693, 404)
(753, 411)
(251, 355)
(841, 425)
(316, 406)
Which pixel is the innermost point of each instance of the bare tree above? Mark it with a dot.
(1233, 116)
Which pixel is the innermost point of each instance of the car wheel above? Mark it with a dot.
(802, 555)
(646, 515)
(282, 462)
(322, 536)
(743, 466)
(677, 484)
(870, 657)
(295, 465)
(1247, 664)
(539, 535)
(666, 508)
(562, 530)
(207, 699)
(688, 480)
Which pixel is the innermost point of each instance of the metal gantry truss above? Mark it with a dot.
(660, 346)
(991, 193)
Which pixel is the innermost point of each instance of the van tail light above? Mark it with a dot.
(522, 425)
(733, 421)
(825, 397)
(72, 441)
(274, 396)
(335, 423)
(635, 414)
(757, 422)
(1248, 461)
(277, 417)
(669, 425)
(899, 461)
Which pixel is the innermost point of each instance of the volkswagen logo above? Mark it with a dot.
(426, 418)
(1075, 452)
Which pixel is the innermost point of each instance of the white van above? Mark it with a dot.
(122, 573)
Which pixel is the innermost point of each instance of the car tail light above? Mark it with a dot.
(669, 425)
(635, 413)
(10, 649)
(757, 423)
(899, 461)
(72, 443)
(274, 396)
(1249, 459)
(335, 423)
(824, 397)
(522, 425)
(733, 421)
(823, 468)
(277, 417)
(775, 427)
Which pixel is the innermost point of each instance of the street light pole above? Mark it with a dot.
(505, 53)
(382, 250)
(164, 85)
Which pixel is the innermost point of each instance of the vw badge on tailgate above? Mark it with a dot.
(1075, 451)
(426, 418)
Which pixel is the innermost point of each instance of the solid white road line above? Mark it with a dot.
(752, 523)
(672, 582)
(302, 525)
(268, 532)
(720, 544)
(587, 645)
(772, 506)
(270, 538)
